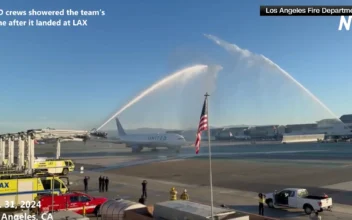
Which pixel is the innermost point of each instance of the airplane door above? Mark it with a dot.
(285, 198)
(281, 198)
(277, 198)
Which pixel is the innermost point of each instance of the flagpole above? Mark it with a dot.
(210, 167)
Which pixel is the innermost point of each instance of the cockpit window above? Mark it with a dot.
(180, 138)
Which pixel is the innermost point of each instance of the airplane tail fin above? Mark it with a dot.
(120, 129)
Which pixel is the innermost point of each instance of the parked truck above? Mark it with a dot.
(45, 165)
(53, 166)
(75, 201)
(69, 163)
(298, 198)
(21, 192)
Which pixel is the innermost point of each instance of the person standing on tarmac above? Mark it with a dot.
(100, 183)
(85, 181)
(106, 183)
(103, 184)
(144, 188)
(173, 194)
(261, 203)
(184, 195)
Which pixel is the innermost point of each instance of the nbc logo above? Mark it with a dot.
(346, 23)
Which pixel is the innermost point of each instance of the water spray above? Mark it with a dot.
(248, 54)
(190, 71)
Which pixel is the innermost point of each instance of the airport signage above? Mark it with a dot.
(4, 185)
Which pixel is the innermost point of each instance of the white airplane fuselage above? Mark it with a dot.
(138, 141)
(168, 140)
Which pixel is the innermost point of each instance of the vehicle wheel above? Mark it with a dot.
(65, 172)
(308, 209)
(96, 211)
(270, 203)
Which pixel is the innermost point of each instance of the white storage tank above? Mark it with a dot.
(115, 209)
(180, 210)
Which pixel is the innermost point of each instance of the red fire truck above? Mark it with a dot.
(74, 201)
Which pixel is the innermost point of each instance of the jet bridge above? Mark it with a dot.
(26, 141)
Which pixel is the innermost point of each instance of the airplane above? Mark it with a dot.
(137, 142)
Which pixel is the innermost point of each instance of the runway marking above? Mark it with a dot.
(347, 165)
(167, 161)
(259, 152)
(346, 186)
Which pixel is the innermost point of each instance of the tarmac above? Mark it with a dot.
(129, 188)
(239, 173)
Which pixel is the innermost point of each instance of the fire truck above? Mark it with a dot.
(74, 201)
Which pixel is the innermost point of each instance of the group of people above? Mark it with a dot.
(173, 193)
(183, 196)
(103, 184)
(104, 187)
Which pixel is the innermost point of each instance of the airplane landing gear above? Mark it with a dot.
(136, 149)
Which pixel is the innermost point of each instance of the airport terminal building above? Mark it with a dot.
(329, 127)
(347, 120)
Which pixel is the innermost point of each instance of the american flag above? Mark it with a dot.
(203, 124)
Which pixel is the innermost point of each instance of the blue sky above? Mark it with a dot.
(76, 77)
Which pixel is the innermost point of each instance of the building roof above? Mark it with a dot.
(346, 118)
(235, 129)
(170, 131)
(216, 129)
(309, 124)
(329, 121)
(312, 125)
(265, 126)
